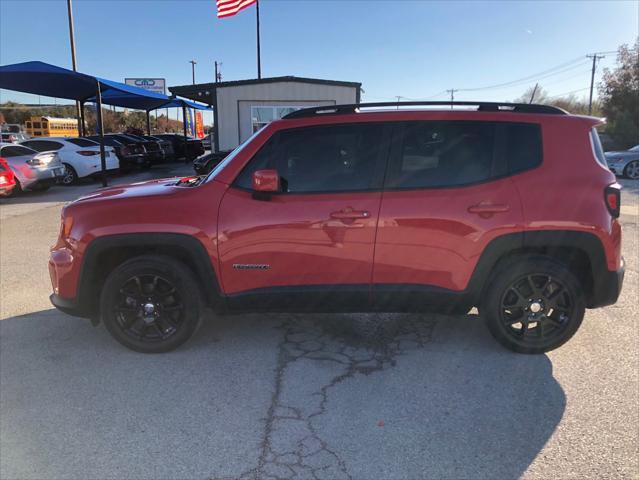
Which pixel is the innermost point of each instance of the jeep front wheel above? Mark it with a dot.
(151, 304)
(533, 305)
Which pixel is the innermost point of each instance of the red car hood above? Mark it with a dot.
(149, 188)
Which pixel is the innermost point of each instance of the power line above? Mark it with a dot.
(530, 78)
(568, 93)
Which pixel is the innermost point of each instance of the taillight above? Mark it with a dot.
(5, 180)
(612, 196)
(88, 153)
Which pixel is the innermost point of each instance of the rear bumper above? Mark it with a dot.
(607, 287)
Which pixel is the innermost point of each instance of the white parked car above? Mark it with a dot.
(80, 156)
(32, 170)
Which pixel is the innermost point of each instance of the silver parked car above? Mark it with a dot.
(624, 163)
(33, 170)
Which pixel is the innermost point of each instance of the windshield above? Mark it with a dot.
(230, 157)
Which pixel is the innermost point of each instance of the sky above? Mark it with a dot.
(415, 49)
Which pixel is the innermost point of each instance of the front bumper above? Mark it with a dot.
(607, 287)
(615, 169)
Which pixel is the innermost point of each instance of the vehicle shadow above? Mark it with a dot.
(253, 396)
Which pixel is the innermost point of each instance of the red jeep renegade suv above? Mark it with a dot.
(353, 208)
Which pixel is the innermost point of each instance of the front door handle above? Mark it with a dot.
(488, 208)
(350, 214)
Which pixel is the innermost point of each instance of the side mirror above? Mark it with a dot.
(265, 182)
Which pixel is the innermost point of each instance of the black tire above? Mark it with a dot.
(70, 175)
(174, 315)
(518, 288)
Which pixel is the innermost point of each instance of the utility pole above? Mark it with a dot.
(532, 97)
(452, 96)
(218, 74)
(73, 63)
(259, 55)
(595, 57)
(193, 63)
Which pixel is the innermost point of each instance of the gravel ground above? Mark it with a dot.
(306, 396)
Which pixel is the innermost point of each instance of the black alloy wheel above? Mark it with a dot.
(151, 304)
(533, 304)
(536, 306)
(149, 308)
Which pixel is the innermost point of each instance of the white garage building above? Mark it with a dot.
(244, 106)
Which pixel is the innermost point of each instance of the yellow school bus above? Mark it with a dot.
(52, 127)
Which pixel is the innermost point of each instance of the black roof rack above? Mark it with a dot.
(481, 107)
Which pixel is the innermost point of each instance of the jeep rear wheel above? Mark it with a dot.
(533, 305)
(151, 304)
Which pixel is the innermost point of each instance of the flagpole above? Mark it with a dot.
(259, 61)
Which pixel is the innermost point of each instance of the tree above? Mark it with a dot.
(619, 94)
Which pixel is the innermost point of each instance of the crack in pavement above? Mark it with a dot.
(316, 353)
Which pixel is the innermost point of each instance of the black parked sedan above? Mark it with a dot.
(153, 148)
(165, 145)
(194, 146)
(129, 154)
(204, 164)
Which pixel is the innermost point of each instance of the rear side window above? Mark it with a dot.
(443, 154)
(16, 151)
(523, 146)
(42, 145)
(329, 158)
(597, 148)
(82, 142)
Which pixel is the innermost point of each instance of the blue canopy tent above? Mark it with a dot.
(52, 81)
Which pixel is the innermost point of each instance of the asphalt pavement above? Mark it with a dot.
(305, 396)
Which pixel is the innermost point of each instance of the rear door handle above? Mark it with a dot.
(488, 208)
(350, 214)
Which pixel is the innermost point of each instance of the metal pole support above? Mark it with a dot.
(186, 142)
(100, 127)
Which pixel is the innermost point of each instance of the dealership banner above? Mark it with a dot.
(199, 125)
(190, 127)
(155, 85)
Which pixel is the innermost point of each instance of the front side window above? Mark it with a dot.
(323, 159)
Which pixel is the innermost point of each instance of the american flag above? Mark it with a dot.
(228, 8)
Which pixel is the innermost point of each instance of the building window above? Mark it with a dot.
(263, 115)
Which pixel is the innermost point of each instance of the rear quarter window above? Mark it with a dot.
(523, 146)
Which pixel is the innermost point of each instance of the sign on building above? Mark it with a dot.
(155, 85)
